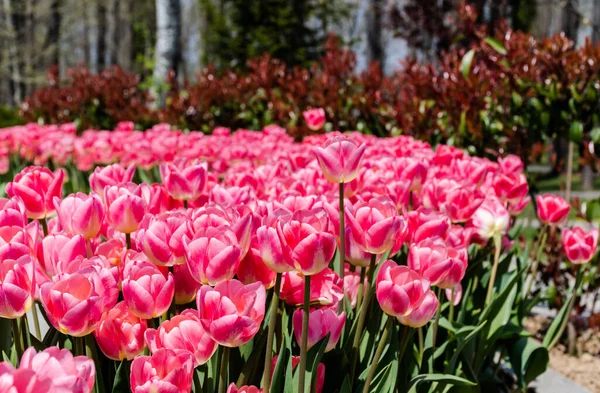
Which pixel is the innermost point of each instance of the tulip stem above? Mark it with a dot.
(128, 240)
(578, 282)
(342, 236)
(90, 346)
(44, 225)
(451, 313)
(536, 263)
(17, 337)
(304, 344)
(364, 308)
(389, 325)
(36, 322)
(421, 345)
(223, 370)
(271, 334)
(437, 320)
(405, 334)
(88, 248)
(361, 284)
(197, 382)
(490, 291)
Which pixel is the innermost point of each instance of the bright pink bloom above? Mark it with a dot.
(511, 187)
(491, 219)
(425, 223)
(164, 371)
(162, 241)
(326, 288)
(17, 287)
(59, 251)
(80, 214)
(125, 207)
(460, 202)
(321, 322)
(67, 373)
(340, 159)
(580, 246)
(183, 333)
(400, 290)
(354, 253)
(511, 164)
(375, 224)
(147, 291)
(185, 183)
(552, 209)
(252, 269)
(120, 334)
(231, 312)
(186, 286)
(37, 187)
(314, 118)
(244, 389)
(272, 248)
(22, 380)
(12, 213)
(110, 175)
(443, 266)
(423, 313)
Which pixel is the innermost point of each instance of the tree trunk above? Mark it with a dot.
(17, 93)
(101, 41)
(374, 34)
(53, 38)
(125, 34)
(587, 177)
(111, 32)
(168, 44)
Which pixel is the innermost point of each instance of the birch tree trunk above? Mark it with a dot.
(168, 42)
(13, 53)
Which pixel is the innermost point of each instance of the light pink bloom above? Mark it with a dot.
(80, 214)
(120, 334)
(59, 251)
(17, 287)
(580, 246)
(340, 159)
(315, 118)
(164, 371)
(110, 175)
(399, 289)
(375, 224)
(162, 241)
(491, 219)
(186, 183)
(37, 187)
(320, 323)
(442, 265)
(423, 313)
(125, 207)
(147, 291)
(326, 288)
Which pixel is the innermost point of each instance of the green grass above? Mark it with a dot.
(558, 183)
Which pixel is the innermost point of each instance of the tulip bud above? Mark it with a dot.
(320, 323)
(80, 214)
(340, 159)
(580, 246)
(314, 118)
(125, 207)
(185, 183)
(164, 371)
(37, 187)
(399, 289)
(120, 334)
(552, 209)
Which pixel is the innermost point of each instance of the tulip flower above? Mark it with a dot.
(399, 289)
(66, 373)
(244, 389)
(17, 286)
(147, 292)
(186, 286)
(325, 288)
(252, 269)
(579, 245)
(511, 187)
(80, 214)
(272, 248)
(375, 224)
(314, 118)
(231, 312)
(110, 175)
(511, 164)
(424, 223)
(491, 219)
(443, 266)
(164, 371)
(125, 207)
(162, 241)
(552, 209)
(37, 187)
(321, 322)
(460, 202)
(12, 213)
(423, 313)
(120, 334)
(59, 251)
(22, 380)
(185, 183)
(340, 159)
(183, 333)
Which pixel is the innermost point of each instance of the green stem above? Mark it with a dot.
(364, 308)
(172, 311)
(128, 240)
(17, 337)
(498, 247)
(197, 382)
(451, 313)
(223, 370)
(563, 326)
(361, 283)
(271, 334)
(92, 353)
(304, 344)
(536, 264)
(405, 334)
(88, 248)
(437, 320)
(342, 235)
(44, 225)
(389, 325)
(421, 343)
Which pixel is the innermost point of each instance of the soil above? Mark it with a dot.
(582, 367)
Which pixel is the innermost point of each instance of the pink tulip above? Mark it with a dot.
(59, 251)
(120, 334)
(375, 224)
(183, 333)
(272, 248)
(253, 269)
(340, 159)
(110, 175)
(326, 288)
(321, 322)
(244, 389)
(354, 253)
(231, 312)
(186, 286)
(314, 118)
(22, 380)
(552, 209)
(425, 223)
(159, 200)
(419, 316)
(66, 373)
(351, 284)
(125, 207)
(17, 287)
(460, 202)
(511, 187)
(511, 164)
(491, 219)
(399, 289)
(443, 266)
(454, 295)
(162, 241)
(72, 304)
(164, 371)
(147, 292)
(580, 246)
(185, 183)
(12, 213)
(37, 187)
(80, 214)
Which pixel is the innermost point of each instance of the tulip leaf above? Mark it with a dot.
(452, 364)
(465, 64)
(312, 362)
(555, 326)
(529, 359)
(441, 379)
(278, 377)
(121, 383)
(37, 344)
(346, 388)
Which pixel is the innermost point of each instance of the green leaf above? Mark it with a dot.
(556, 324)
(595, 135)
(441, 379)
(576, 131)
(346, 388)
(278, 377)
(529, 360)
(121, 383)
(452, 364)
(496, 45)
(465, 64)
(312, 362)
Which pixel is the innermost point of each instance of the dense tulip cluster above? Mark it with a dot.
(165, 274)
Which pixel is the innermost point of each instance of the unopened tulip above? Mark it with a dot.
(321, 322)
(37, 187)
(231, 312)
(185, 183)
(66, 372)
(183, 333)
(340, 159)
(125, 207)
(552, 209)
(120, 334)
(580, 246)
(146, 290)
(272, 248)
(491, 219)
(314, 118)
(375, 224)
(80, 214)
(59, 251)
(325, 288)
(423, 313)
(164, 371)
(12, 213)
(400, 290)
(244, 389)
(17, 287)
(110, 175)
(72, 304)
(442, 265)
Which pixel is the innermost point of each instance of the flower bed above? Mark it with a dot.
(244, 260)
